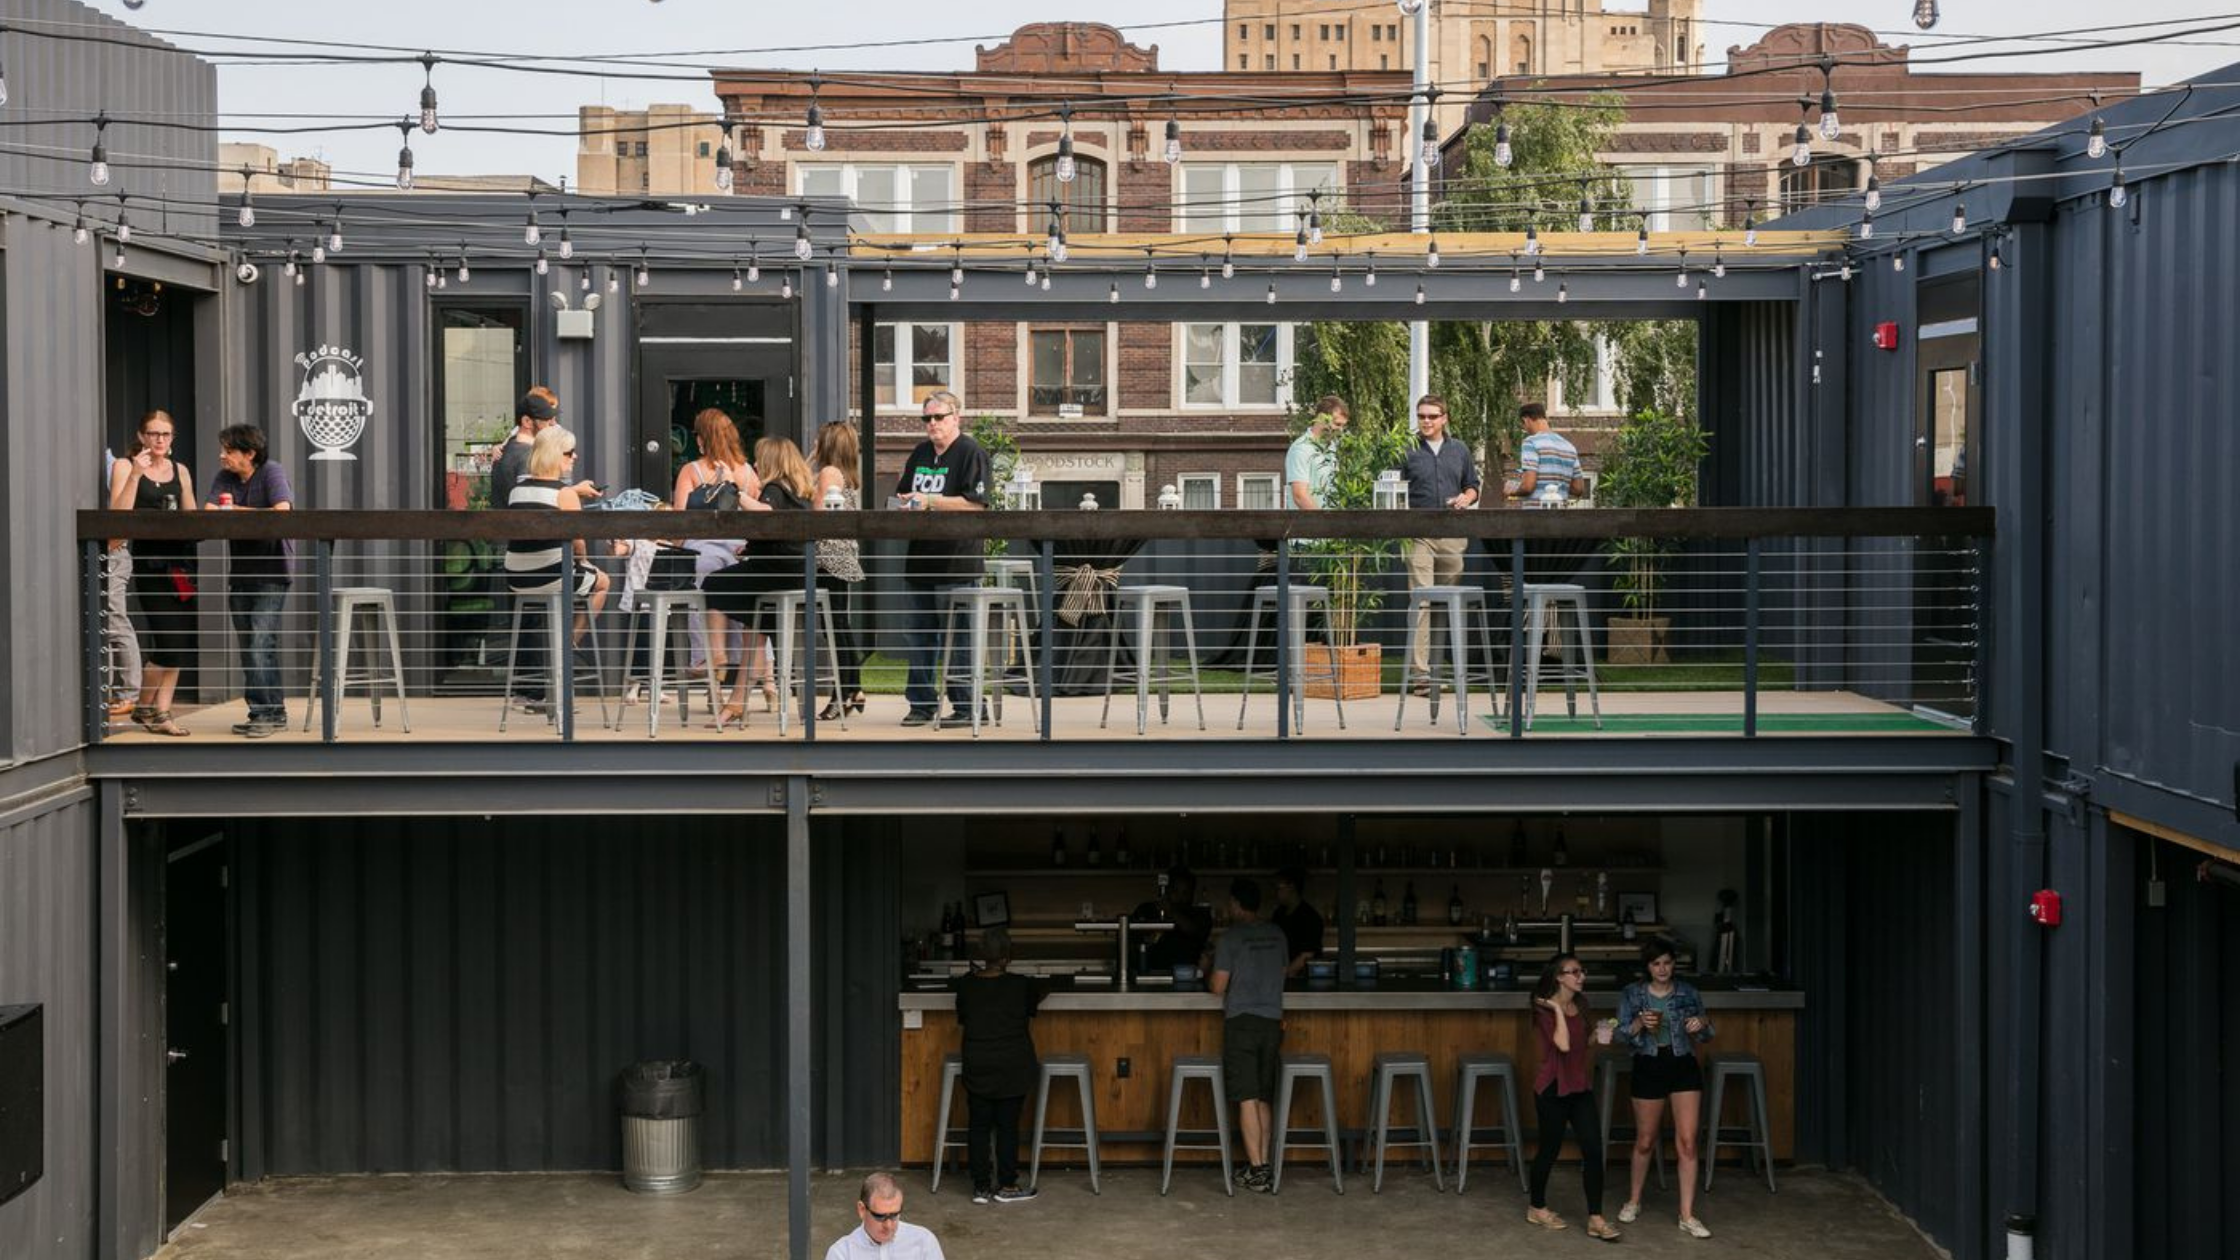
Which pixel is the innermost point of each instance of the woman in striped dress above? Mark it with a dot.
(533, 565)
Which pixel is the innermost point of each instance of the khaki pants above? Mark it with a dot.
(1431, 562)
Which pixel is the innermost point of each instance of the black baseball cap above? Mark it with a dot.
(537, 407)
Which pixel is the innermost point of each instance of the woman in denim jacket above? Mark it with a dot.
(1662, 1019)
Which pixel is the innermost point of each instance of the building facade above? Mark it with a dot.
(659, 151)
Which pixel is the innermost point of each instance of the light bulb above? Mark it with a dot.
(1428, 152)
(956, 275)
(428, 109)
(1749, 231)
(1044, 283)
(1830, 125)
(1874, 192)
(801, 245)
(1532, 240)
(1959, 218)
(644, 277)
(1431, 255)
(1866, 227)
(543, 266)
(1030, 275)
(430, 278)
(1111, 295)
(1058, 251)
(1563, 293)
(1299, 247)
(1503, 154)
(118, 262)
(1174, 139)
(2117, 195)
(1337, 283)
(1586, 216)
(1998, 259)
(334, 238)
(1314, 227)
(1925, 13)
(318, 251)
(723, 179)
(1539, 273)
(442, 282)
(79, 234)
(1719, 265)
(1150, 278)
(98, 172)
(955, 293)
(3, 87)
(1516, 281)
(1641, 241)
(1680, 278)
(886, 280)
(815, 138)
(1701, 293)
(124, 229)
(585, 283)
(1228, 266)
(1065, 158)
(290, 269)
(1844, 273)
(754, 271)
(248, 214)
(531, 233)
(785, 288)
(1897, 262)
(567, 247)
(1271, 293)
(464, 274)
(1801, 155)
(2096, 143)
(404, 169)
(1419, 293)
(1205, 277)
(1369, 278)
(738, 282)
(614, 281)
(831, 277)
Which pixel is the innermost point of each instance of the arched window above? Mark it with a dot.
(1082, 198)
(1520, 53)
(1485, 57)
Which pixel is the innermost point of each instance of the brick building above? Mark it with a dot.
(1117, 408)
(661, 150)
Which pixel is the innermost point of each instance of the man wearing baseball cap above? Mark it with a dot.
(538, 410)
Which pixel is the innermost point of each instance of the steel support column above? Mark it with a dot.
(798, 1098)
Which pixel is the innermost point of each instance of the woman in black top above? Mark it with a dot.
(770, 564)
(162, 572)
(993, 1008)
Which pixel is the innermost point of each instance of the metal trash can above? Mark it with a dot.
(661, 1127)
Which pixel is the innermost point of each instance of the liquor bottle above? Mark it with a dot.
(1096, 849)
(1626, 926)
(1376, 906)
(1408, 905)
(1120, 855)
(1057, 846)
(1361, 914)
(1454, 907)
(1519, 855)
(1563, 851)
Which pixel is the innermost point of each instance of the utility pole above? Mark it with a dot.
(1419, 189)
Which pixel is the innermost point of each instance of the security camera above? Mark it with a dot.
(246, 273)
(558, 299)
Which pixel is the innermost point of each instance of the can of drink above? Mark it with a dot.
(225, 500)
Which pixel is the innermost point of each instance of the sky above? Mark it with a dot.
(798, 36)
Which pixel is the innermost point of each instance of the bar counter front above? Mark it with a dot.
(1132, 1037)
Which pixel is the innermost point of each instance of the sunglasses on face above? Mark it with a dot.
(932, 416)
(884, 1218)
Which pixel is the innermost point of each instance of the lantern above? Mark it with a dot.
(1390, 491)
(1025, 492)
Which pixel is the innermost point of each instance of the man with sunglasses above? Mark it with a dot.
(1441, 476)
(884, 1235)
(947, 472)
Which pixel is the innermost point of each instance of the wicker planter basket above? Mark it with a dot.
(1359, 671)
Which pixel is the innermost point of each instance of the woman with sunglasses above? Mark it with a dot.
(1564, 1093)
(162, 572)
(533, 565)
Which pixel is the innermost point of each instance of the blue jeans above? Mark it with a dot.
(256, 618)
(921, 622)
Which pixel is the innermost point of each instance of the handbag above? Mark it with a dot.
(182, 583)
(713, 496)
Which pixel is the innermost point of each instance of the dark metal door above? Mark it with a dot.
(1946, 460)
(737, 357)
(196, 1101)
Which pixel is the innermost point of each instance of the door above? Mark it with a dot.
(737, 357)
(196, 1102)
(1946, 459)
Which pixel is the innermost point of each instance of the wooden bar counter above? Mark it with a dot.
(1148, 1028)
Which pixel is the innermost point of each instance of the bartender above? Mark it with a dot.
(1181, 924)
(1301, 923)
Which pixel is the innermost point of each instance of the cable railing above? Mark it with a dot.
(434, 626)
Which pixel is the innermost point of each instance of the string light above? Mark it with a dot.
(1898, 262)
(1586, 212)
(1503, 153)
(1830, 125)
(2117, 195)
(1516, 278)
(543, 266)
(1112, 295)
(247, 216)
(1150, 276)
(1419, 293)
(1431, 255)
(318, 250)
(1174, 139)
(404, 156)
(1844, 273)
(1925, 13)
(567, 247)
(1314, 217)
(1429, 152)
(1680, 280)
(1641, 240)
(1801, 154)
(754, 267)
(723, 161)
(1539, 272)
(1337, 281)
(1271, 293)
(97, 164)
(802, 247)
(645, 272)
(1299, 245)
(124, 222)
(614, 281)
(1959, 218)
(1563, 293)
(464, 274)
(1750, 225)
(1874, 189)
(428, 275)
(1228, 260)
(886, 279)
(1205, 273)
(78, 233)
(1532, 240)
(1065, 170)
(1701, 292)
(289, 270)
(785, 288)
(1044, 283)
(2096, 141)
(428, 94)
(3, 86)
(1866, 226)
(334, 233)
(956, 266)
(1369, 277)
(814, 140)
(584, 282)
(1719, 263)
(831, 276)
(1030, 273)
(738, 282)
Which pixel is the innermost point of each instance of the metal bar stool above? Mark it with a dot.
(557, 608)
(1551, 599)
(1309, 1067)
(1456, 604)
(1607, 1067)
(1264, 607)
(1003, 610)
(1076, 1068)
(1014, 572)
(1197, 1067)
(656, 608)
(1390, 1069)
(1749, 1069)
(781, 611)
(1154, 665)
(944, 1133)
(1509, 1135)
(380, 604)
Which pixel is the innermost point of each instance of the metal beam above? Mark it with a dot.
(798, 1099)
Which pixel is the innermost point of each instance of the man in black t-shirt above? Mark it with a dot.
(1301, 923)
(948, 472)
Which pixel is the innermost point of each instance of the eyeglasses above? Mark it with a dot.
(884, 1218)
(932, 416)
(1572, 971)
(570, 453)
(155, 433)
(1431, 415)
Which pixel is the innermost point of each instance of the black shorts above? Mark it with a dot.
(1659, 1076)
(1252, 1057)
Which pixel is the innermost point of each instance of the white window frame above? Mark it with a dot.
(1231, 213)
(1211, 481)
(906, 217)
(1230, 364)
(905, 365)
(1687, 191)
(1273, 481)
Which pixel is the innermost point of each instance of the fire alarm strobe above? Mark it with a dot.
(2045, 907)
(1886, 335)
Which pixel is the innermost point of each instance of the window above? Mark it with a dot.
(1066, 370)
(887, 197)
(928, 362)
(1235, 365)
(1270, 31)
(1376, 32)
(1244, 61)
(641, 148)
(1244, 31)
(1294, 61)
(704, 148)
(1271, 59)
(1325, 31)
(1829, 176)
(1251, 196)
(1294, 31)
(1082, 199)
(1383, 62)
(1201, 492)
(1341, 32)
(1256, 492)
(482, 366)
(1678, 198)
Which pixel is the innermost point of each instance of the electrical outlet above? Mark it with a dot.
(2158, 894)
(1125, 1068)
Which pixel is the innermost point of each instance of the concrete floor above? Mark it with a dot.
(501, 1217)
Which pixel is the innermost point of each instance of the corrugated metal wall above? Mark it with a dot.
(442, 994)
(48, 955)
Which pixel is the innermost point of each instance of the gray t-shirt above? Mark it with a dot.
(1254, 955)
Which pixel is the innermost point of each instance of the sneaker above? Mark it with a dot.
(1693, 1228)
(1630, 1213)
(960, 717)
(1264, 1180)
(918, 717)
(257, 729)
(1016, 1194)
(981, 1194)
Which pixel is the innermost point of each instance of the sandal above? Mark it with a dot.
(163, 725)
(830, 712)
(856, 702)
(144, 715)
(769, 688)
(731, 714)
(1545, 1219)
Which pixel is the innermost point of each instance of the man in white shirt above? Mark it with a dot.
(884, 1235)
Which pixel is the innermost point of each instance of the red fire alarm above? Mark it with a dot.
(2045, 907)
(1886, 336)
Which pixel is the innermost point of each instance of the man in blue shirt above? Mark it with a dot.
(257, 587)
(1313, 456)
(1441, 476)
(1546, 458)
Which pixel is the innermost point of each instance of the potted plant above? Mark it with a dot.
(1343, 665)
(1652, 465)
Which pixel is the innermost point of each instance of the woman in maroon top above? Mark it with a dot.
(1564, 1094)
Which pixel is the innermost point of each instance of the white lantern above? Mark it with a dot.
(1025, 492)
(1170, 499)
(1089, 502)
(1391, 492)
